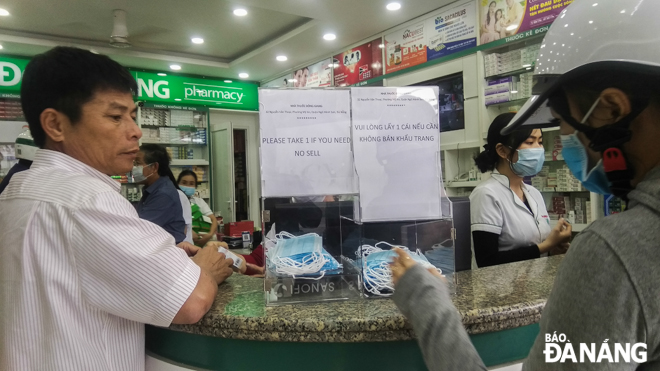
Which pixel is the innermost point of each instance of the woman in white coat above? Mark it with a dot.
(509, 220)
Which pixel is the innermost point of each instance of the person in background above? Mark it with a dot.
(188, 182)
(254, 262)
(25, 150)
(509, 221)
(187, 216)
(605, 298)
(80, 272)
(160, 203)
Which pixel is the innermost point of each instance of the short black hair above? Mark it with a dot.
(487, 160)
(186, 172)
(65, 78)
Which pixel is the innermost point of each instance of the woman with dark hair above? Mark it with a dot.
(160, 202)
(187, 182)
(508, 217)
(488, 32)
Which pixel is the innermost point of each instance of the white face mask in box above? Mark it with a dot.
(377, 274)
(297, 255)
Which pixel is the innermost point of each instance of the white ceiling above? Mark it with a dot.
(160, 30)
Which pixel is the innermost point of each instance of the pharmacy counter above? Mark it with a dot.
(500, 307)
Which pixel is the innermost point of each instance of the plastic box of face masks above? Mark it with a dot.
(306, 259)
(429, 242)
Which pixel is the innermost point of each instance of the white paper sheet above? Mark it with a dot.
(396, 144)
(305, 142)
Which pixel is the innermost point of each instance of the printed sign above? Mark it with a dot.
(11, 73)
(188, 90)
(451, 31)
(405, 48)
(305, 142)
(314, 76)
(359, 64)
(500, 19)
(396, 152)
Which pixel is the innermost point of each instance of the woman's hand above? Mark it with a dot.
(560, 234)
(400, 265)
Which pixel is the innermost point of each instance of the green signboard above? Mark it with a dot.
(11, 73)
(189, 90)
(168, 90)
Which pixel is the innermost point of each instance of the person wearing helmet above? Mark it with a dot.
(25, 150)
(597, 74)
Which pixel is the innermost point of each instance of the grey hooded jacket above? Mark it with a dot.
(607, 291)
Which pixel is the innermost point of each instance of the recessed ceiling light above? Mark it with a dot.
(228, 81)
(590, 22)
(281, 58)
(177, 99)
(243, 75)
(512, 27)
(595, 4)
(329, 36)
(4, 12)
(393, 6)
(1, 46)
(240, 12)
(381, 46)
(197, 40)
(175, 67)
(162, 74)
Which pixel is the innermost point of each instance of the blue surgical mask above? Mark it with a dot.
(138, 173)
(188, 191)
(530, 161)
(301, 256)
(577, 159)
(575, 155)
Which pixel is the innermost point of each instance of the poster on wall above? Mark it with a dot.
(314, 76)
(305, 142)
(405, 48)
(359, 64)
(499, 19)
(451, 31)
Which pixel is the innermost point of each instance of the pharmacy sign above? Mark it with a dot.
(153, 87)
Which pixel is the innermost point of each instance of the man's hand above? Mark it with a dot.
(214, 263)
(189, 248)
(217, 244)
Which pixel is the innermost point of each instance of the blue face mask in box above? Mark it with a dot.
(530, 161)
(377, 275)
(188, 191)
(298, 255)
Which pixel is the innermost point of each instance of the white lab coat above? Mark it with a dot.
(495, 208)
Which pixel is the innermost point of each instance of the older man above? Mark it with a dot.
(80, 272)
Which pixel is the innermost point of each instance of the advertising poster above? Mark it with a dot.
(451, 31)
(405, 48)
(305, 142)
(359, 64)
(314, 76)
(499, 19)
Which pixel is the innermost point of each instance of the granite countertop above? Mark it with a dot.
(488, 299)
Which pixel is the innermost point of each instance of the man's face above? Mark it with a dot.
(106, 136)
(509, 3)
